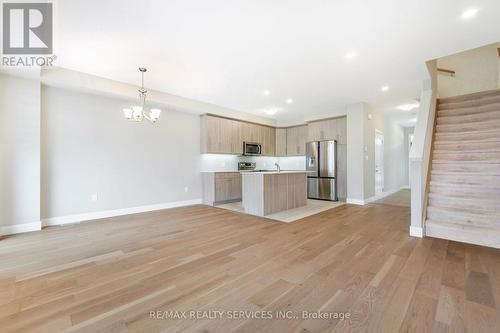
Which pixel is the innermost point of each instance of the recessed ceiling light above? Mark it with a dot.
(408, 107)
(351, 55)
(469, 13)
(384, 88)
(271, 111)
(289, 101)
(266, 93)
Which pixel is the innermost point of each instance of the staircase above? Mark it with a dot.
(464, 191)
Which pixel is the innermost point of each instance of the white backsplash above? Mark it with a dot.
(221, 162)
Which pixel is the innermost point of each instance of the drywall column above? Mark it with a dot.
(360, 153)
(19, 155)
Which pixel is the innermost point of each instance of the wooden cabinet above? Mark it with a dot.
(281, 141)
(328, 129)
(342, 130)
(227, 186)
(322, 130)
(296, 138)
(268, 140)
(221, 187)
(221, 135)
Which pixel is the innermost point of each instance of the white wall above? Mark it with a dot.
(395, 160)
(19, 154)
(476, 70)
(407, 132)
(396, 153)
(360, 153)
(89, 148)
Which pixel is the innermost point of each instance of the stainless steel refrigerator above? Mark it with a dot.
(321, 167)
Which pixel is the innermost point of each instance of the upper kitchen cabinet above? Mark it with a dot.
(342, 130)
(322, 130)
(328, 129)
(221, 135)
(268, 141)
(296, 138)
(264, 135)
(281, 141)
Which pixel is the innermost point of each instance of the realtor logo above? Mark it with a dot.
(27, 28)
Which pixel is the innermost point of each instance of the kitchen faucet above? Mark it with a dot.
(278, 166)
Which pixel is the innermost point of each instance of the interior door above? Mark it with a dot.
(312, 159)
(327, 157)
(379, 162)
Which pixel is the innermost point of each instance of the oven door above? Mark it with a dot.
(252, 148)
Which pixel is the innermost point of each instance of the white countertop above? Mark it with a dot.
(271, 172)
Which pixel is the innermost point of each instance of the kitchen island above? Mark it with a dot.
(269, 192)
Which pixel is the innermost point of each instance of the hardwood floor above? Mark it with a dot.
(107, 276)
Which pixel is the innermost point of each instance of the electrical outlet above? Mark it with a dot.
(186, 189)
(94, 197)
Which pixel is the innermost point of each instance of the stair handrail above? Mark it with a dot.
(420, 152)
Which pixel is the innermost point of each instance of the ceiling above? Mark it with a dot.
(229, 52)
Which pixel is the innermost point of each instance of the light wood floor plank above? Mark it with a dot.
(106, 276)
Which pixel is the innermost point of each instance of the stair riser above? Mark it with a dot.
(466, 203)
(453, 167)
(469, 118)
(468, 127)
(469, 104)
(464, 146)
(467, 179)
(465, 193)
(468, 111)
(477, 238)
(454, 136)
(495, 156)
(477, 220)
(470, 97)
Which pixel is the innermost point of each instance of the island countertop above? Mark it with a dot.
(272, 172)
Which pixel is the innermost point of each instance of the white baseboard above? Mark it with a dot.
(416, 232)
(116, 212)
(20, 228)
(385, 194)
(375, 197)
(355, 201)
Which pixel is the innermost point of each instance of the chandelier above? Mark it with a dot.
(138, 112)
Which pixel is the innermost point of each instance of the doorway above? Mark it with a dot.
(379, 162)
(410, 143)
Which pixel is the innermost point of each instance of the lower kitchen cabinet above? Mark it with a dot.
(221, 187)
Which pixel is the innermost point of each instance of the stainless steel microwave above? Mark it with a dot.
(252, 149)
